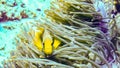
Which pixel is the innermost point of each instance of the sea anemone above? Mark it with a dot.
(76, 48)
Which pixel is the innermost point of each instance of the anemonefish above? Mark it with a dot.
(45, 42)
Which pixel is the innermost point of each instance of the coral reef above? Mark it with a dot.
(11, 10)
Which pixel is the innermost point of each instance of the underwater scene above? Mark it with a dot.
(59, 33)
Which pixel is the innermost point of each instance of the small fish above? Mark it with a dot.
(37, 40)
(56, 43)
(45, 42)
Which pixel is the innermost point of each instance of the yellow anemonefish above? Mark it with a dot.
(37, 38)
(56, 43)
(45, 42)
